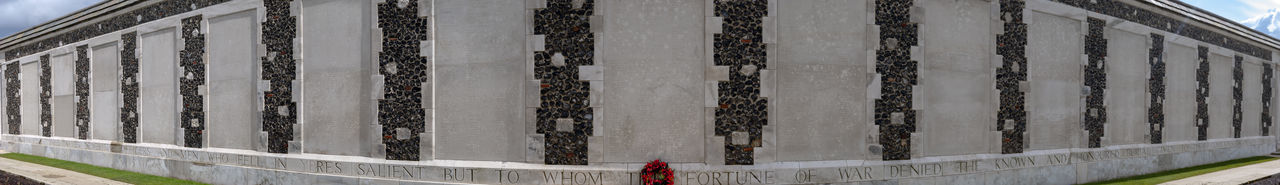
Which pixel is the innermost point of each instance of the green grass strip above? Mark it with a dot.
(108, 173)
(1171, 175)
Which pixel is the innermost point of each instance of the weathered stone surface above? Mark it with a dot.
(334, 91)
(233, 115)
(486, 120)
(1054, 101)
(157, 81)
(653, 96)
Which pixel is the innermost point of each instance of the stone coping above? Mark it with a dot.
(491, 172)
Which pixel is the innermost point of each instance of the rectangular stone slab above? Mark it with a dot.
(1251, 105)
(1220, 98)
(233, 63)
(1055, 77)
(957, 80)
(653, 95)
(1126, 70)
(157, 84)
(335, 96)
(819, 109)
(480, 67)
(30, 103)
(105, 122)
(1180, 102)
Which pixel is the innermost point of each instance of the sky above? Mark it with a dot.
(18, 15)
(1236, 10)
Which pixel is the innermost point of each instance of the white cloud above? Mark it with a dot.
(1254, 8)
(17, 15)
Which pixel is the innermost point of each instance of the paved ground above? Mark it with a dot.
(1239, 175)
(50, 175)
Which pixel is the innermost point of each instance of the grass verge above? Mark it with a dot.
(1166, 176)
(108, 173)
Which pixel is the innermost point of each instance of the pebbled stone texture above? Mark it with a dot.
(404, 71)
(191, 60)
(13, 99)
(1202, 93)
(46, 93)
(1156, 86)
(740, 46)
(1268, 74)
(1010, 76)
(1095, 81)
(82, 91)
(568, 34)
(279, 68)
(898, 76)
(129, 86)
(1237, 95)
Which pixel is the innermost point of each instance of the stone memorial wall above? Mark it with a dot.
(586, 91)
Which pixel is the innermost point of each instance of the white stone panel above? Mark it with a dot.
(157, 87)
(1251, 105)
(1054, 51)
(653, 81)
(62, 70)
(64, 115)
(105, 122)
(335, 99)
(480, 68)
(1180, 99)
(1220, 100)
(233, 65)
(1126, 99)
(30, 100)
(820, 109)
(957, 80)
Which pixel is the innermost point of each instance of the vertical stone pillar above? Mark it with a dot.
(1202, 94)
(1095, 82)
(740, 51)
(81, 78)
(1011, 77)
(564, 66)
(129, 86)
(1156, 86)
(405, 72)
(192, 81)
(896, 72)
(279, 76)
(13, 99)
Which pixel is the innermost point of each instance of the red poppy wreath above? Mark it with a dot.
(657, 173)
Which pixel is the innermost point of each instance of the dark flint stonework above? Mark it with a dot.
(129, 85)
(13, 99)
(1237, 94)
(898, 76)
(192, 63)
(568, 33)
(82, 91)
(1010, 75)
(46, 93)
(404, 71)
(1155, 20)
(145, 14)
(1268, 74)
(278, 32)
(739, 45)
(1095, 80)
(1156, 86)
(1202, 93)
